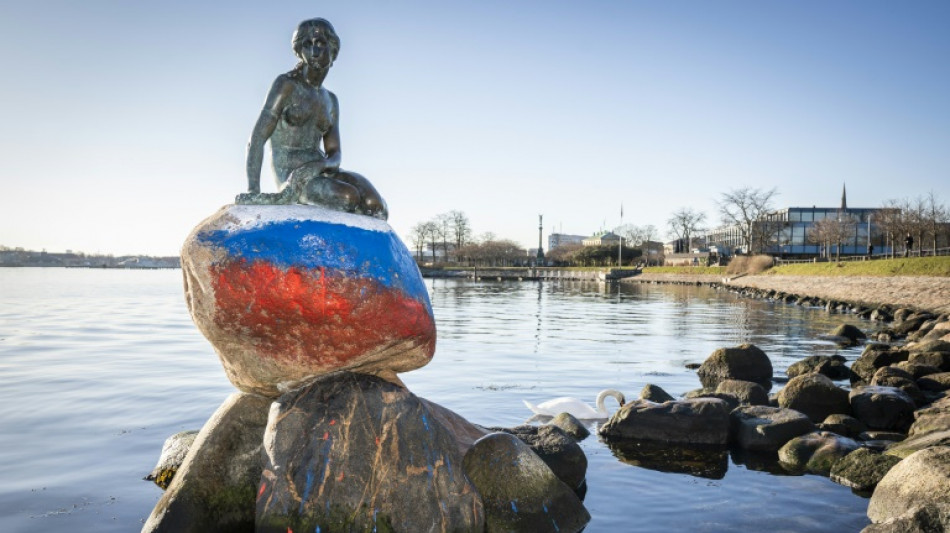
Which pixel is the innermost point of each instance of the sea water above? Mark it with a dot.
(98, 367)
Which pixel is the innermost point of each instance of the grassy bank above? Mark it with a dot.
(913, 266)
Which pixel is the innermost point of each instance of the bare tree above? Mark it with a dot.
(684, 222)
(419, 234)
(936, 217)
(745, 207)
(461, 228)
(832, 231)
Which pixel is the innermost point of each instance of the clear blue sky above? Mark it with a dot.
(125, 123)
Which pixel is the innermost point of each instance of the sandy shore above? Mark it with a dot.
(930, 293)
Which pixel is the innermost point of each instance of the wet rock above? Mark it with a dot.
(843, 425)
(747, 392)
(763, 428)
(287, 293)
(874, 357)
(656, 394)
(556, 448)
(705, 461)
(853, 335)
(815, 395)
(570, 425)
(833, 367)
(746, 362)
(910, 445)
(920, 479)
(862, 469)
(696, 421)
(884, 436)
(173, 454)
(892, 376)
(917, 519)
(815, 452)
(935, 382)
(519, 491)
(215, 486)
(887, 408)
(353, 452)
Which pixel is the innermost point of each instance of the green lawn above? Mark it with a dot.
(686, 270)
(913, 266)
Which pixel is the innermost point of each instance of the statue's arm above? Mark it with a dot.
(263, 129)
(331, 141)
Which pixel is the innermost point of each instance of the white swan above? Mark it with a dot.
(576, 407)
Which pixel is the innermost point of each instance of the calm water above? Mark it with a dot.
(98, 367)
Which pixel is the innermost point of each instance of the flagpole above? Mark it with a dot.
(620, 240)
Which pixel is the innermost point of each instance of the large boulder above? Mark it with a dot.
(215, 487)
(763, 428)
(353, 452)
(887, 408)
(747, 392)
(832, 366)
(939, 360)
(917, 519)
(519, 491)
(893, 376)
(556, 448)
(696, 421)
(815, 395)
(920, 479)
(862, 469)
(815, 452)
(874, 357)
(935, 382)
(286, 293)
(746, 362)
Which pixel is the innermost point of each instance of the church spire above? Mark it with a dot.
(844, 197)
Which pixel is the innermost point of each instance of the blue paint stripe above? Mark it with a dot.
(304, 243)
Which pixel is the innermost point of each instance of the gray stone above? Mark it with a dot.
(353, 452)
(916, 370)
(215, 487)
(844, 425)
(939, 360)
(917, 519)
(747, 392)
(920, 479)
(763, 428)
(936, 418)
(570, 425)
(815, 452)
(655, 394)
(832, 366)
(556, 448)
(696, 421)
(887, 408)
(892, 376)
(911, 445)
(815, 395)
(873, 357)
(519, 491)
(935, 382)
(173, 454)
(853, 335)
(746, 362)
(862, 469)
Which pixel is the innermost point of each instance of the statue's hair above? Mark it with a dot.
(328, 30)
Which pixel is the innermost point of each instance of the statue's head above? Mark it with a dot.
(313, 34)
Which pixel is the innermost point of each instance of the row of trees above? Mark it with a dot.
(438, 232)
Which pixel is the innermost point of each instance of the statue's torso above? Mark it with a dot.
(305, 119)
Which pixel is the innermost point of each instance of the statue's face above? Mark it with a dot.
(315, 49)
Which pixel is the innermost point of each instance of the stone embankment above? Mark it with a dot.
(917, 292)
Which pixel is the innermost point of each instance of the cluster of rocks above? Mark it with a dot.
(313, 313)
(891, 429)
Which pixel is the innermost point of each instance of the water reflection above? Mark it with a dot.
(701, 461)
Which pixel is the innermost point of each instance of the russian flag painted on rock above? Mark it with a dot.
(287, 293)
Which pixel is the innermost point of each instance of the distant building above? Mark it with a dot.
(560, 239)
(604, 238)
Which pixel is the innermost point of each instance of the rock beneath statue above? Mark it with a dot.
(763, 428)
(289, 293)
(862, 469)
(215, 487)
(173, 454)
(815, 395)
(654, 393)
(695, 421)
(747, 392)
(746, 362)
(353, 452)
(920, 479)
(556, 448)
(886, 408)
(519, 491)
(570, 425)
(815, 452)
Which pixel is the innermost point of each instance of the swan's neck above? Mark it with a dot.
(617, 395)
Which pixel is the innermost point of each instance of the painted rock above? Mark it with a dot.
(289, 293)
